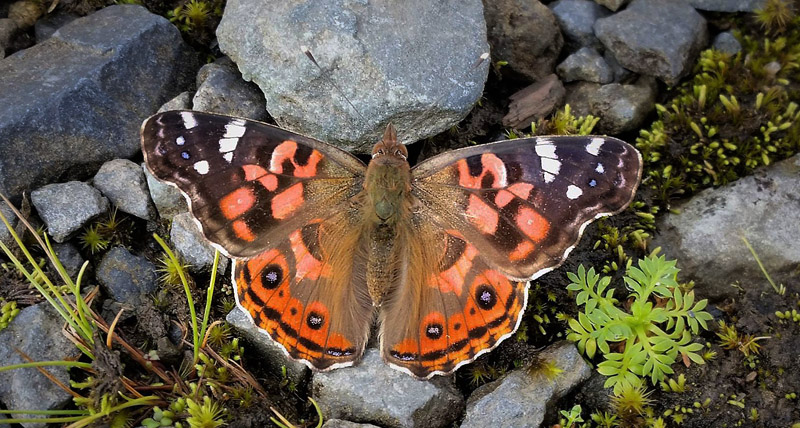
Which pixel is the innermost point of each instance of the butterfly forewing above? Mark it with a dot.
(248, 183)
(524, 203)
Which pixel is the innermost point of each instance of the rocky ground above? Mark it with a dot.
(707, 89)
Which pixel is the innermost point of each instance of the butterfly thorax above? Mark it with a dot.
(387, 186)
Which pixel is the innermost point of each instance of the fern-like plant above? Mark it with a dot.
(650, 335)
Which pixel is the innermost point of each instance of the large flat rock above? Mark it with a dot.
(409, 63)
(78, 98)
(707, 234)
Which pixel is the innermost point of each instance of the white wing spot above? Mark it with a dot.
(548, 178)
(600, 168)
(188, 120)
(234, 129)
(594, 147)
(574, 191)
(546, 150)
(228, 157)
(201, 167)
(228, 144)
(180, 141)
(551, 165)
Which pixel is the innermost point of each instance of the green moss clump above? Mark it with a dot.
(739, 112)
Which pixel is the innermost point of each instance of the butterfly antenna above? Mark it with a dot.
(330, 81)
(484, 56)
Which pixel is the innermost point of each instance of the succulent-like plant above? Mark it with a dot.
(648, 337)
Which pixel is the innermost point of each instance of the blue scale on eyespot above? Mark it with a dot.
(592, 183)
(185, 155)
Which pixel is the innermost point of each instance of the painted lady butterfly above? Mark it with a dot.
(441, 253)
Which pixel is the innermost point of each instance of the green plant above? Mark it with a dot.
(604, 420)
(653, 333)
(775, 15)
(572, 416)
(8, 311)
(737, 113)
(729, 338)
(208, 414)
(93, 240)
(672, 385)
(282, 422)
(198, 333)
(780, 289)
(631, 400)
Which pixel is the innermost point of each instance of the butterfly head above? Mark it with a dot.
(389, 148)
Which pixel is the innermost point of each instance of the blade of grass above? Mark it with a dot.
(188, 291)
(780, 289)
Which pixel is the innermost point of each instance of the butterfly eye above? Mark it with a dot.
(399, 154)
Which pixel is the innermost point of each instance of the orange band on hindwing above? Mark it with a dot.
(304, 331)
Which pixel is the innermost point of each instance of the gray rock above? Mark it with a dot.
(338, 423)
(5, 235)
(181, 102)
(375, 393)
(126, 278)
(587, 65)
(707, 234)
(620, 73)
(124, 184)
(192, 246)
(66, 207)
(620, 107)
(70, 258)
(576, 19)
(654, 37)
(522, 397)
(78, 98)
(50, 23)
(379, 54)
(222, 90)
(726, 42)
(525, 33)
(169, 201)
(728, 5)
(614, 5)
(36, 332)
(271, 355)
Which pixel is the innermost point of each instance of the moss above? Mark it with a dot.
(737, 113)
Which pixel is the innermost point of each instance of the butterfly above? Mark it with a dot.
(439, 255)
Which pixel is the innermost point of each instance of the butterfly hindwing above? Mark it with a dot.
(307, 294)
(448, 311)
(524, 203)
(248, 183)
(283, 205)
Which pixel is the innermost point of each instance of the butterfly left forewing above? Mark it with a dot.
(248, 183)
(524, 203)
